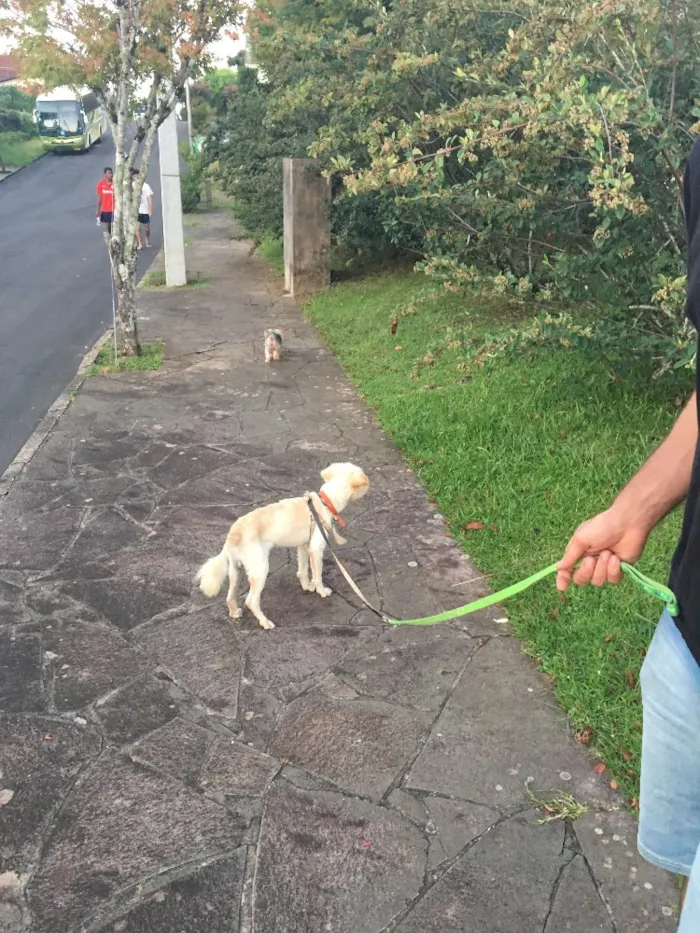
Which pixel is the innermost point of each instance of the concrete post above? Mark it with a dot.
(307, 230)
(173, 235)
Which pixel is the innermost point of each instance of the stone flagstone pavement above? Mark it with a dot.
(164, 770)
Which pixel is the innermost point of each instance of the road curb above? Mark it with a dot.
(48, 422)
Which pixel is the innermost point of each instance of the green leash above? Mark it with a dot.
(649, 586)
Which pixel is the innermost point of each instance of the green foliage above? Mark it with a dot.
(535, 146)
(16, 113)
(248, 147)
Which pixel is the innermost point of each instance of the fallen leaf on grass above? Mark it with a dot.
(474, 526)
(554, 613)
(584, 736)
(394, 324)
(599, 768)
(631, 680)
(398, 347)
(608, 639)
(494, 528)
(614, 785)
(634, 803)
(626, 753)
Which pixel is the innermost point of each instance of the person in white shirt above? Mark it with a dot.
(145, 212)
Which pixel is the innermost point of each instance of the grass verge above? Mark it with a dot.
(151, 358)
(16, 151)
(528, 444)
(271, 249)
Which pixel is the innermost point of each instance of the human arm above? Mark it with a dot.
(99, 202)
(620, 533)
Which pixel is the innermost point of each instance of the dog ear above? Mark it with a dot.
(331, 472)
(359, 480)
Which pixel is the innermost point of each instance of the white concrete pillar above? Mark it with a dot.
(173, 234)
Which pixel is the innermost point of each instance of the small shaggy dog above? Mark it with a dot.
(283, 524)
(273, 345)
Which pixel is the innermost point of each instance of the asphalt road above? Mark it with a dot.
(55, 290)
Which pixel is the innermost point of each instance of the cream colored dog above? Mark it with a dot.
(284, 524)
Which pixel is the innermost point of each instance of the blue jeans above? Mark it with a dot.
(669, 803)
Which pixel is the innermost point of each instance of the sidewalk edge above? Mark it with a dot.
(48, 422)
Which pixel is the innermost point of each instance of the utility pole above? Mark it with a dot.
(188, 104)
(173, 235)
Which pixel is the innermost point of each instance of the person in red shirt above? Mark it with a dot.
(105, 200)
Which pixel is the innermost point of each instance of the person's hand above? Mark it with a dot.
(603, 542)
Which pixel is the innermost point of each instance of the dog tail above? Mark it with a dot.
(212, 574)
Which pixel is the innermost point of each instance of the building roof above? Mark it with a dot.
(8, 69)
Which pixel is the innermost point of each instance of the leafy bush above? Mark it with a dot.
(536, 146)
(16, 112)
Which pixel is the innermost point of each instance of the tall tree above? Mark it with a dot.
(116, 48)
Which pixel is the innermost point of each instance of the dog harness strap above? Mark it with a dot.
(349, 580)
(331, 508)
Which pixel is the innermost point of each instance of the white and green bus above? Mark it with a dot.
(69, 120)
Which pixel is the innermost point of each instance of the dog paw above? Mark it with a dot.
(235, 613)
(307, 585)
(324, 591)
(266, 624)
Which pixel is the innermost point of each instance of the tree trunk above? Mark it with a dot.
(124, 273)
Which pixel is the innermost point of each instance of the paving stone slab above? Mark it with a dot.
(235, 770)
(86, 660)
(577, 906)
(327, 862)
(502, 884)
(139, 707)
(178, 749)
(500, 727)
(28, 542)
(21, 670)
(453, 825)
(120, 826)
(205, 901)
(414, 666)
(40, 757)
(359, 745)
(203, 653)
(130, 601)
(284, 659)
(12, 608)
(641, 898)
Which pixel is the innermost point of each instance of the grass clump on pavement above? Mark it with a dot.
(271, 249)
(155, 278)
(151, 358)
(516, 449)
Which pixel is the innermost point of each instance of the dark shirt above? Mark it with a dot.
(685, 571)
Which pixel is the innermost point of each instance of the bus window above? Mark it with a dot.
(58, 118)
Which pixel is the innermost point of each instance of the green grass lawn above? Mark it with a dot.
(531, 444)
(17, 152)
